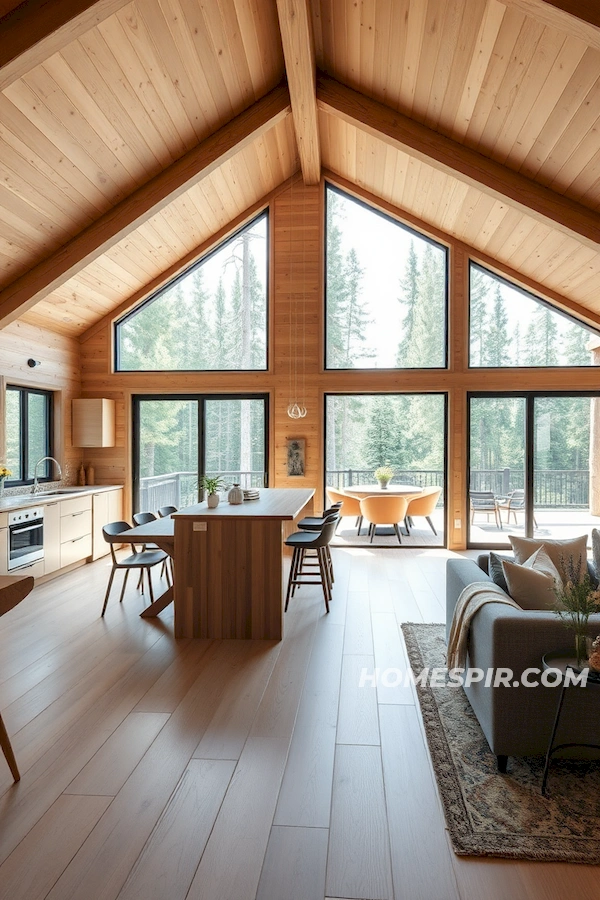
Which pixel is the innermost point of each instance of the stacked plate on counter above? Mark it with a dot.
(251, 494)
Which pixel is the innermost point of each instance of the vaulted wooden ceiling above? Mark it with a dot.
(130, 133)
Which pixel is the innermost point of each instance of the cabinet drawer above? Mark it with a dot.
(36, 569)
(76, 525)
(75, 550)
(75, 505)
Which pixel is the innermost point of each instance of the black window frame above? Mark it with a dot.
(530, 295)
(201, 398)
(24, 393)
(413, 231)
(264, 213)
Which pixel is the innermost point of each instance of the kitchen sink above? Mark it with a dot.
(59, 491)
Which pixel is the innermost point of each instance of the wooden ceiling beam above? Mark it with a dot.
(455, 159)
(577, 18)
(299, 56)
(145, 202)
(38, 28)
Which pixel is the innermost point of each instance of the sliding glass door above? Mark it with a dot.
(406, 432)
(533, 469)
(497, 468)
(177, 438)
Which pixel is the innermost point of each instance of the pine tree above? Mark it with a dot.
(575, 346)
(409, 290)
(335, 285)
(496, 348)
(426, 347)
(480, 284)
(381, 439)
(541, 338)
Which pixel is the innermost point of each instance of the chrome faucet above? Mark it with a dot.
(35, 474)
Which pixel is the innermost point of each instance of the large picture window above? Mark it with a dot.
(28, 433)
(212, 317)
(178, 438)
(386, 289)
(511, 327)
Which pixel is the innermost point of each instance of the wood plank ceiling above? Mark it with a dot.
(517, 83)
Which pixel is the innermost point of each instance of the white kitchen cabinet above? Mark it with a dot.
(107, 507)
(3, 550)
(51, 537)
(75, 530)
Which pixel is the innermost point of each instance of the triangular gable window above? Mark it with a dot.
(213, 317)
(510, 327)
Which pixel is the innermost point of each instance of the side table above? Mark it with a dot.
(563, 661)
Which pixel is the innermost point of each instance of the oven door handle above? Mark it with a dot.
(16, 529)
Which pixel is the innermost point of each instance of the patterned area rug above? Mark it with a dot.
(490, 814)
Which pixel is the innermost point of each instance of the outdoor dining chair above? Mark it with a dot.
(423, 506)
(484, 502)
(379, 510)
(514, 502)
(350, 504)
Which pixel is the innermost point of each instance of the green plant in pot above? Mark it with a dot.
(384, 475)
(212, 485)
(577, 601)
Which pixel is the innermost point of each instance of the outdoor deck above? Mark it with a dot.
(551, 523)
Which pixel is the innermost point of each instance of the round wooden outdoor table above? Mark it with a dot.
(368, 490)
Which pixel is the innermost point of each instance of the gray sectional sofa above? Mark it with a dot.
(517, 721)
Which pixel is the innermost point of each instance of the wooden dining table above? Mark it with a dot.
(228, 564)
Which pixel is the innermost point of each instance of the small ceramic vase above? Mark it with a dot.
(235, 495)
(212, 501)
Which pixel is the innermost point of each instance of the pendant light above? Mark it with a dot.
(296, 407)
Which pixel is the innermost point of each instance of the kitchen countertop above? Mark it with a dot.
(27, 499)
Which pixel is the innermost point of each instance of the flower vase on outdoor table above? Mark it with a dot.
(384, 475)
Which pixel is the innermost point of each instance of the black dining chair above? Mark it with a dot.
(165, 511)
(142, 518)
(144, 560)
(301, 542)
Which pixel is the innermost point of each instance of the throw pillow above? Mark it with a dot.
(533, 585)
(571, 552)
(495, 570)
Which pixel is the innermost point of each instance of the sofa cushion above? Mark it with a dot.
(564, 554)
(495, 570)
(533, 585)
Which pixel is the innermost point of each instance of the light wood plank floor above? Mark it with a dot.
(223, 770)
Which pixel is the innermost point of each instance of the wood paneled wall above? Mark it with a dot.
(59, 371)
(297, 231)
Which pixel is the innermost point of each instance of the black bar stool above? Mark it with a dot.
(316, 523)
(301, 541)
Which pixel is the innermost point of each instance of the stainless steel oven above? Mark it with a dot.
(25, 537)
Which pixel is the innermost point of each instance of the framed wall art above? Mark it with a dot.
(296, 451)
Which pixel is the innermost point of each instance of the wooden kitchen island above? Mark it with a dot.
(229, 565)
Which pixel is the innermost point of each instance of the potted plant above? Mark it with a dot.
(5, 472)
(384, 475)
(211, 486)
(577, 601)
